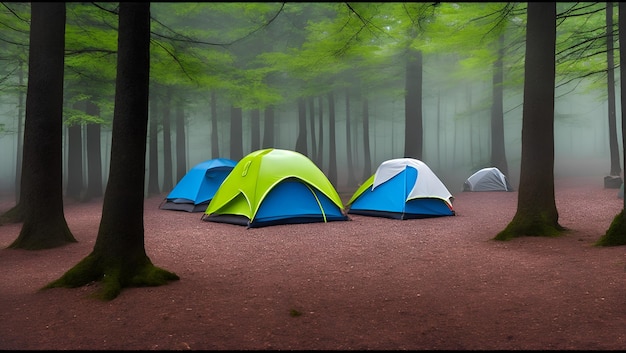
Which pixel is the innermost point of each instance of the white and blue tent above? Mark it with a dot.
(402, 188)
(196, 189)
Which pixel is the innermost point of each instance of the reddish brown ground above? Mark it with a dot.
(368, 283)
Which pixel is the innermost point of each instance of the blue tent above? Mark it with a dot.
(402, 188)
(196, 189)
(274, 186)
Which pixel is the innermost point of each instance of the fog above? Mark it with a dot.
(454, 148)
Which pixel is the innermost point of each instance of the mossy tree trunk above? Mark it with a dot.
(41, 195)
(536, 208)
(616, 234)
(119, 258)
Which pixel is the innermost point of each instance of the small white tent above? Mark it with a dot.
(487, 179)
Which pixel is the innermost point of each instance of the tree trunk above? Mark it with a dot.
(42, 172)
(413, 130)
(236, 140)
(301, 141)
(94, 155)
(351, 179)
(268, 127)
(311, 103)
(20, 135)
(367, 158)
(255, 129)
(536, 208)
(332, 149)
(153, 154)
(168, 183)
(74, 160)
(119, 258)
(320, 143)
(215, 146)
(613, 147)
(181, 144)
(498, 154)
(616, 234)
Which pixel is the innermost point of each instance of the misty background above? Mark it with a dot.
(456, 98)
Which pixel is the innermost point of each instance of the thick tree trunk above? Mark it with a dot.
(119, 258)
(536, 208)
(41, 196)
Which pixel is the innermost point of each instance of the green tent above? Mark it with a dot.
(274, 186)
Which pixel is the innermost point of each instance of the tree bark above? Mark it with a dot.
(332, 148)
(413, 130)
(498, 152)
(181, 143)
(613, 147)
(301, 141)
(41, 196)
(536, 208)
(119, 258)
(153, 154)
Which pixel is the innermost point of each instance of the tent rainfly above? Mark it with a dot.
(274, 186)
(402, 188)
(487, 179)
(195, 190)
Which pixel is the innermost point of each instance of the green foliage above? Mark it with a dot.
(616, 234)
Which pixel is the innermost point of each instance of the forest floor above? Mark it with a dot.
(364, 284)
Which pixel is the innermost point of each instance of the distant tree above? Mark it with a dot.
(255, 129)
(350, 165)
(332, 144)
(236, 141)
(168, 182)
(301, 141)
(311, 104)
(367, 158)
(498, 153)
(215, 146)
(616, 234)
(536, 208)
(268, 127)
(613, 147)
(74, 186)
(153, 149)
(119, 259)
(413, 130)
(181, 145)
(94, 153)
(41, 199)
